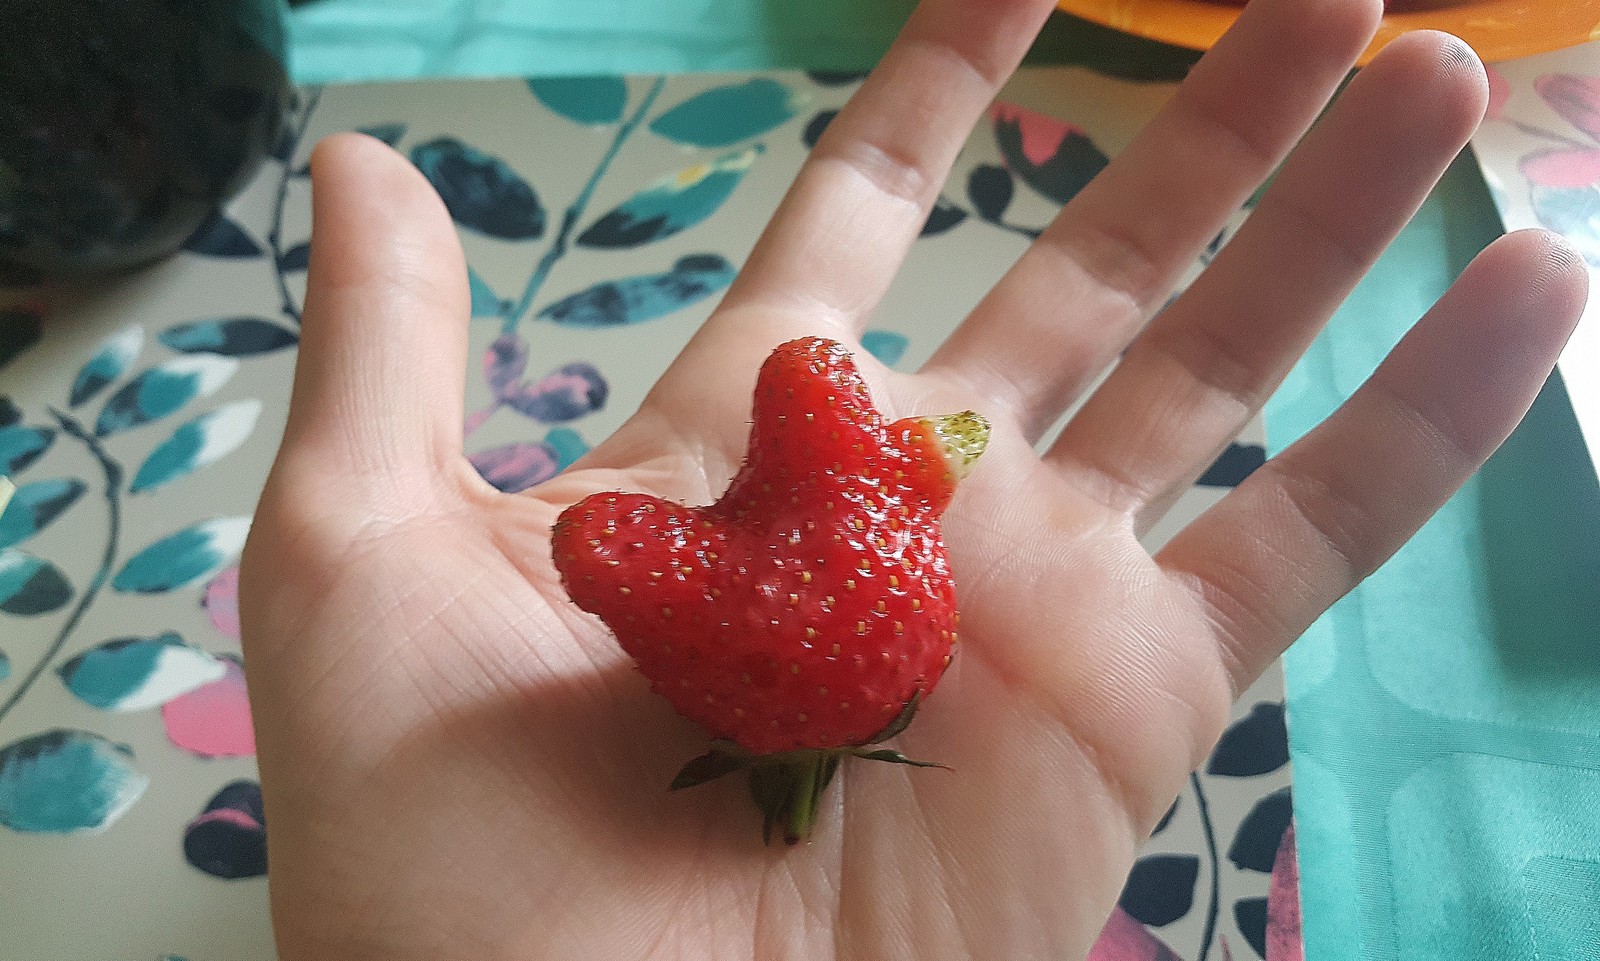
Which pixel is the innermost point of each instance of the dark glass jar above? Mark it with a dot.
(125, 123)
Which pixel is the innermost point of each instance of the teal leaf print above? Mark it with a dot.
(34, 506)
(202, 441)
(566, 444)
(233, 337)
(5, 666)
(64, 781)
(181, 559)
(110, 361)
(723, 116)
(19, 331)
(586, 100)
(480, 191)
(635, 299)
(160, 390)
(10, 413)
(221, 237)
(135, 673)
(886, 345)
(672, 204)
(21, 446)
(389, 133)
(30, 586)
(296, 258)
(485, 302)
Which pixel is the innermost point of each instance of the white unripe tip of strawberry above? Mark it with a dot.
(962, 437)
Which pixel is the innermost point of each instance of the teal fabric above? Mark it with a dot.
(364, 40)
(1443, 718)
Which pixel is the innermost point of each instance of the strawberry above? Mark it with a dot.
(804, 615)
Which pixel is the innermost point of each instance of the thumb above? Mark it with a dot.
(378, 388)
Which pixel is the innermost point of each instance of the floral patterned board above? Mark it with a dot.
(1540, 153)
(601, 219)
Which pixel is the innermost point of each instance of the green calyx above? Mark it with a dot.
(962, 438)
(787, 786)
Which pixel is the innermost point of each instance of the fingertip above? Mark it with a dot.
(1549, 270)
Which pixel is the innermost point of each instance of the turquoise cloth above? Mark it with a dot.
(1444, 717)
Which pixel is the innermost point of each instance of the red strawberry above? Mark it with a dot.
(805, 613)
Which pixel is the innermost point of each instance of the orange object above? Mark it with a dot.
(1496, 29)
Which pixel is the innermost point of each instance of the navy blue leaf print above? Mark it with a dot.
(296, 258)
(229, 839)
(110, 361)
(1255, 846)
(232, 337)
(516, 467)
(566, 394)
(586, 100)
(241, 796)
(19, 331)
(990, 189)
(481, 192)
(21, 446)
(1251, 916)
(635, 299)
(1160, 889)
(817, 127)
(389, 133)
(837, 78)
(29, 585)
(943, 217)
(221, 237)
(1166, 818)
(504, 363)
(35, 505)
(1055, 158)
(10, 413)
(1233, 466)
(1256, 744)
(162, 389)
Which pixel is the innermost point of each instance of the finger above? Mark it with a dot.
(863, 195)
(1076, 298)
(379, 384)
(1203, 368)
(1303, 530)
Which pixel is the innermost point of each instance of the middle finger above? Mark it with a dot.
(1084, 289)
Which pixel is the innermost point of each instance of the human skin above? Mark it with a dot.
(459, 764)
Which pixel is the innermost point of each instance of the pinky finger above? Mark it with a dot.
(1305, 529)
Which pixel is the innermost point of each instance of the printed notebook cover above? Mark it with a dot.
(139, 420)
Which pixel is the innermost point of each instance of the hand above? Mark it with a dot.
(460, 764)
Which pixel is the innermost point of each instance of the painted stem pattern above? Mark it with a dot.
(113, 474)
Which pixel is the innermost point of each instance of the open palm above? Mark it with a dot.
(458, 763)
